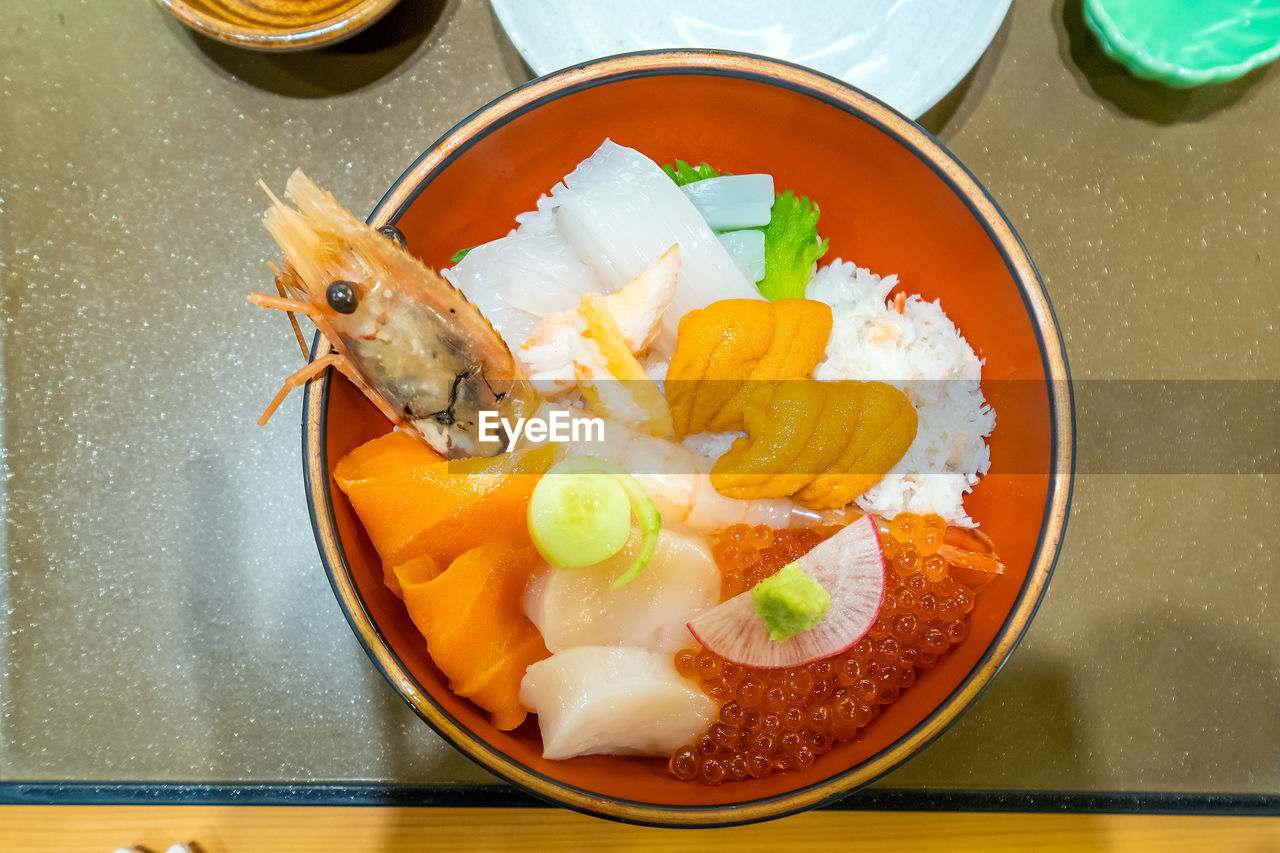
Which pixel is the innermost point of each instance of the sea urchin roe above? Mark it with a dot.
(773, 720)
(824, 443)
(726, 348)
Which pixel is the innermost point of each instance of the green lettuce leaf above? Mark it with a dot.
(791, 247)
(682, 173)
(791, 242)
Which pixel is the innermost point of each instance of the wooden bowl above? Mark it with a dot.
(893, 199)
(281, 25)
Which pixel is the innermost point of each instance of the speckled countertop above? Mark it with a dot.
(163, 613)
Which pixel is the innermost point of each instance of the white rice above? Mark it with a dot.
(922, 352)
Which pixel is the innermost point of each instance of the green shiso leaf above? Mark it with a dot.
(791, 247)
(682, 173)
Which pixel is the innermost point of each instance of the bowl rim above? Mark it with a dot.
(1049, 341)
(282, 40)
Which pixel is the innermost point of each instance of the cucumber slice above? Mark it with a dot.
(578, 519)
(580, 514)
(650, 522)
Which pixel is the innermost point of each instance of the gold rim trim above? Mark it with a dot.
(282, 40)
(1059, 488)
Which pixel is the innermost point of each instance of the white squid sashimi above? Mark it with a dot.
(747, 250)
(579, 607)
(733, 201)
(517, 279)
(619, 211)
(615, 700)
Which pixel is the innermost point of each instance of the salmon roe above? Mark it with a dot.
(747, 555)
(774, 720)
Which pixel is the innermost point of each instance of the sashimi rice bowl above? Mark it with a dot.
(653, 439)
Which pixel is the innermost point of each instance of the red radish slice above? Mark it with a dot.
(849, 566)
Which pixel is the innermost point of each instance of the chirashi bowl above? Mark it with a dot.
(894, 200)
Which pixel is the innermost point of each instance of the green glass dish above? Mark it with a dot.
(1186, 43)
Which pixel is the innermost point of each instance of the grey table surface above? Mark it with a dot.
(163, 613)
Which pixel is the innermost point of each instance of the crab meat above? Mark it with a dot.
(637, 307)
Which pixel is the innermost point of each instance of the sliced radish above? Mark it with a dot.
(849, 566)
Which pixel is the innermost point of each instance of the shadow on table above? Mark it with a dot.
(512, 62)
(344, 67)
(1023, 733)
(1144, 99)
(956, 106)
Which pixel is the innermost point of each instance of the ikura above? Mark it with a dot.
(776, 720)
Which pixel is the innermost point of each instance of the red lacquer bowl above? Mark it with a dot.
(893, 200)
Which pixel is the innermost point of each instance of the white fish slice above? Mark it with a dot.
(733, 201)
(747, 250)
(612, 216)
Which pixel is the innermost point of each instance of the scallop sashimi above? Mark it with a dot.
(615, 700)
(580, 607)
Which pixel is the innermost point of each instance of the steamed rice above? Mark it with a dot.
(922, 352)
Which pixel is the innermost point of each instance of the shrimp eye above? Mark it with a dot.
(393, 234)
(342, 297)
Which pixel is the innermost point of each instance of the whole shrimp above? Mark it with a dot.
(425, 356)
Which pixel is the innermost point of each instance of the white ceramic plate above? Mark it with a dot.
(909, 53)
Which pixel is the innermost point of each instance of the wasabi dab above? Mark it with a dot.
(790, 602)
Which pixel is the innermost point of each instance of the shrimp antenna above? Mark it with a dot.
(293, 317)
(266, 189)
(292, 307)
(308, 371)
